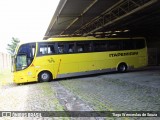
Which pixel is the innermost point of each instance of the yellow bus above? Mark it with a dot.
(74, 56)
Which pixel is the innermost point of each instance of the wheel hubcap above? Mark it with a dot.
(122, 68)
(44, 76)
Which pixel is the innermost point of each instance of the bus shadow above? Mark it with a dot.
(147, 68)
(85, 76)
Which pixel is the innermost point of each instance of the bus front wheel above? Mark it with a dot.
(44, 76)
(122, 67)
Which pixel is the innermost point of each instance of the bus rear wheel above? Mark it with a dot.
(122, 67)
(44, 76)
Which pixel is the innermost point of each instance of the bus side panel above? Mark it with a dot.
(139, 59)
(44, 63)
(83, 62)
(89, 61)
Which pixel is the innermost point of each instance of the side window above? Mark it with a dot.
(61, 48)
(115, 45)
(71, 47)
(51, 49)
(43, 49)
(83, 46)
(46, 49)
(33, 49)
(80, 47)
(100, 46)
(128, 44)
(140, 44)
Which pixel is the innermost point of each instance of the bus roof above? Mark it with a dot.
(78, 39)
(86, 38)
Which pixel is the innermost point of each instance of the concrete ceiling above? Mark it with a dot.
(107, 18)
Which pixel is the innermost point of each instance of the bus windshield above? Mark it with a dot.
(25, 56)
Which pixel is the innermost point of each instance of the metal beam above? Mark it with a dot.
(115, 13)
(75, 19)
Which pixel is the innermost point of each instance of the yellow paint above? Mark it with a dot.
(79, 62)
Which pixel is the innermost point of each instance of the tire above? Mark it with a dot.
(122, 67)
(44, 76)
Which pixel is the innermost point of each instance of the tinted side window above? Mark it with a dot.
(46, 49)
(115, 45)
(140, 44)
(108, 45)
(61, 49)
(129, 44)
(100, 46)
(133, 44)
(83, 46)
(71, 47)
(33, 49)
(43, 49)
(64, 47)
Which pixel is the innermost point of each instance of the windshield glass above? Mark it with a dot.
(21, 62)
(25, 56)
